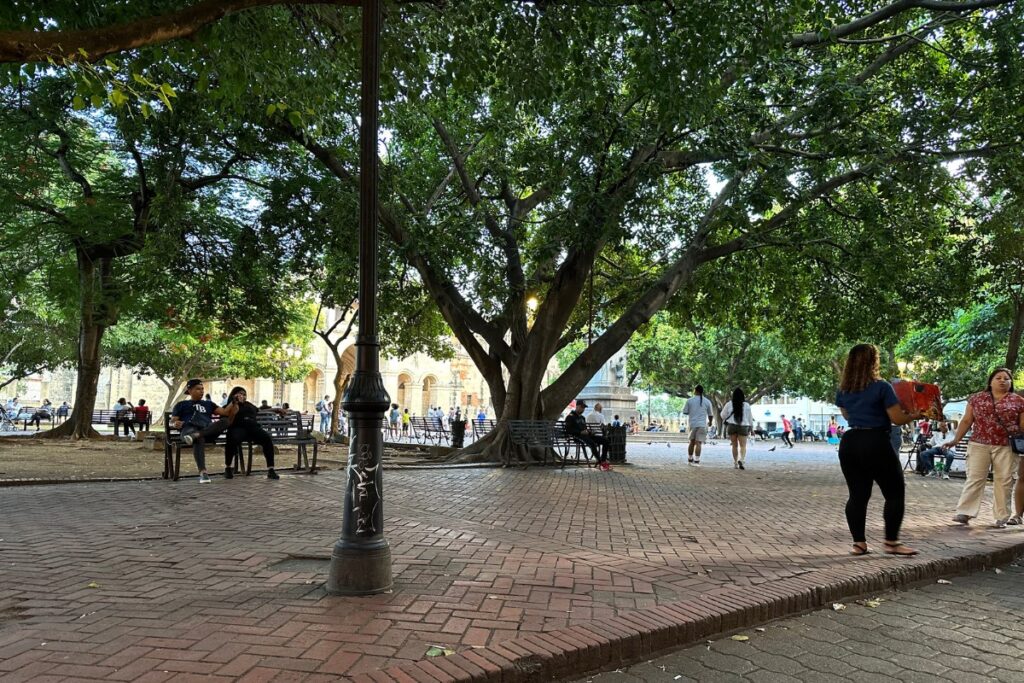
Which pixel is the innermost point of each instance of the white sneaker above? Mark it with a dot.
(945, 476)
(204, 478)
(187, 439)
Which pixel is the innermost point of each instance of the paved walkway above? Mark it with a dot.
(154, 580)
(965, 631)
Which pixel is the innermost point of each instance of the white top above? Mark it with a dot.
(698, 408)
(119, 408)
(596, 418)
(745, 419)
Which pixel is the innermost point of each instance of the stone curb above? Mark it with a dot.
(632, 636)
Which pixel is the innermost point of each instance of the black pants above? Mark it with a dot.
(126, 423)
(785, 439)
(867, 457)
(592, 441)
(248, 430)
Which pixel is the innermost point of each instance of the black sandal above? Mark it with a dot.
(860, 549)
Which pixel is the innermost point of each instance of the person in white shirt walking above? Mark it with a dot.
(698, 409)
(738, 420)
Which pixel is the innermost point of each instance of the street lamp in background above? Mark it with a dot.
(361, 559)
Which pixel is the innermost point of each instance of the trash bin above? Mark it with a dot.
(616, 443)
(458, 433)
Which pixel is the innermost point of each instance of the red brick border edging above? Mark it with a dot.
(605, 643)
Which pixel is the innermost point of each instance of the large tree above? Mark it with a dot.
(530, 141)
(551, 140)
(109, 199)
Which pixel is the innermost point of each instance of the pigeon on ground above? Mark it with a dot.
(771, 449)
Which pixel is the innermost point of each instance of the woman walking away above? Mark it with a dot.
(994, 413)
(737, 418)
(242, 426)
(870, 406)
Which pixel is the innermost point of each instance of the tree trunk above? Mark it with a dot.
(339, 392)
(93, 276)
(522, 401)
(1013, 348)
(175, 389)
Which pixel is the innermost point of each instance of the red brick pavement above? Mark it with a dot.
(523, 573)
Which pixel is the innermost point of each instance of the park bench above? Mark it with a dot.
(482, 428)
(25, 414)
(429, 429)
(106, 417)
(293, 429)
(549, 435)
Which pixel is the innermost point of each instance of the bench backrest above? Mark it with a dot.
(481, 427)
(429, 424)
(106, 415)
(540, 432)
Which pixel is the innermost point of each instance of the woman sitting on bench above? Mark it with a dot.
(242, 426)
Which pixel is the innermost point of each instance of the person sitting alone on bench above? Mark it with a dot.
(43, 412)
(195, 418)
(242, 426)
(576, 427)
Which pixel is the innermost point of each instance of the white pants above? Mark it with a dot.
(1003, 462)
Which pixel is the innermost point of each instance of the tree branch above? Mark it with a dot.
(96, 43)
(810, 38)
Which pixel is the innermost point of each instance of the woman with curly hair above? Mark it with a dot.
(866, 456)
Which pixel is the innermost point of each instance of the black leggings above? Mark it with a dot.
(248, 431)
(867, 457)
(785, 439)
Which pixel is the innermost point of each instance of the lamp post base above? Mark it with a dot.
(360, 569)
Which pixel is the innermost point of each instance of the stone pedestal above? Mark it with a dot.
(614, 400)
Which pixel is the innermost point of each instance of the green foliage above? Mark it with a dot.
(958, 352)
(175, 348)
(674, 359)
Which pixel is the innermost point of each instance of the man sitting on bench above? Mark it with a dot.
(576, 427)
(195, 419)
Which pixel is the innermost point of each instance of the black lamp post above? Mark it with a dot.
(361, 560)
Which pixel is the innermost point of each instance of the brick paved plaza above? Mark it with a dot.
(524, 573)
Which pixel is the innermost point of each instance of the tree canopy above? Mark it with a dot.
(600, 159)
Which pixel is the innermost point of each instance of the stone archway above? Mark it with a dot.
(429, 393)
(404, 390)
(312, 390)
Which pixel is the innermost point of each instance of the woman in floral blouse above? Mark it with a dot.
(994, 413)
